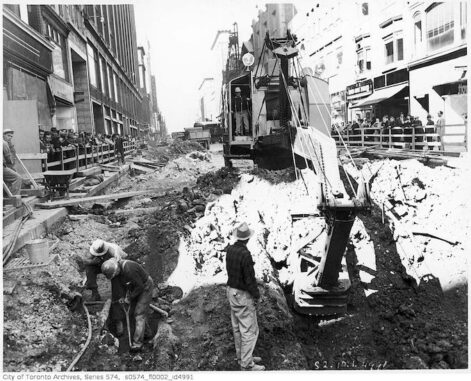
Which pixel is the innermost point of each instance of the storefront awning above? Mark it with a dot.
(380, 95)
(454, 87)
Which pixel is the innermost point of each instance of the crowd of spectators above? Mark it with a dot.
(382, 127)
(55, 141)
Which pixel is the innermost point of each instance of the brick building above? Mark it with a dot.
(83, 61)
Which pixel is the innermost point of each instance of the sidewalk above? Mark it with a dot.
(38, 225)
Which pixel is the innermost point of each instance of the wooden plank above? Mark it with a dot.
(14, 200)
(32, 156)
(41, 192)
(115, 196)
(89, 172)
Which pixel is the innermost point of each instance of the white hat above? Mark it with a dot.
(237, 89)
(8, 131)
(98, 248)
(242, 232)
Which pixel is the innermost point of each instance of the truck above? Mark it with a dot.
(199, 135)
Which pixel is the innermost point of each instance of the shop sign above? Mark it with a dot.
(360, 89)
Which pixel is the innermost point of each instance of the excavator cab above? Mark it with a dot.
(238, 119)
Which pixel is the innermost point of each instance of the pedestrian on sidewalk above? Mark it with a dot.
(243, 296)
(440, 124)
(139, 286)
(10, 176)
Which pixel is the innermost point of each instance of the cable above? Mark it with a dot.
(89, 338)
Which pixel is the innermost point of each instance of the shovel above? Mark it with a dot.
(128, 324)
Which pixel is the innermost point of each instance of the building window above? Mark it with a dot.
(364, 9)
(110, 81)
(440, 26)
(394, 48)
(24, 12)
(92, 65)
(417, 29)
(363, 59)
(389, 52)
(103, 75)
(115, 88)
(463, 18)
(400, 49)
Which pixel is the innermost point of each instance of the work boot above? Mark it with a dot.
(255, 359)
(254, 367)
(119, 328)
(135, 347)
(96, 295)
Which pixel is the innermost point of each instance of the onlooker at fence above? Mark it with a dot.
(429, 130)
(430, 121)
(355, 127)
(377, 129)
(440, 125)
(119, 148)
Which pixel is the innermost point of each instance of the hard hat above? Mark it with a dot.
(237, 89)
(98, 248)
(243, 233)
(8, 131)
(110, 268)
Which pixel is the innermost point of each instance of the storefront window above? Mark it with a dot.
(440, 26)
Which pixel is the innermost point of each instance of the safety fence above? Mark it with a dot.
(81, 157)
(452, 139)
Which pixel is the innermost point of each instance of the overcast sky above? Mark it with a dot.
(181, 34)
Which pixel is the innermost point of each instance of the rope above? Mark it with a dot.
(89, 338)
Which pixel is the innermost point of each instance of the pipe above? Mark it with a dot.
(89, 338)
(159, 310)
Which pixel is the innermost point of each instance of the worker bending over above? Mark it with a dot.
(100, 251)
(138, 285)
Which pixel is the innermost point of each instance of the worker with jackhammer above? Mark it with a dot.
(243, 296)
(139, 286)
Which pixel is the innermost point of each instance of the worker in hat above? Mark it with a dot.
(101, 251)
(243, 296)
(139, 286)
(10, 176)
(240, 108)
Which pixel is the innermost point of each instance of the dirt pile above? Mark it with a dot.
(433, 205)
(171, 151)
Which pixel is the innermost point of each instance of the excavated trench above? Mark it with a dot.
(391, 321)
(390, 318)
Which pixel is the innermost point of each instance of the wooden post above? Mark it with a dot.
(77, 159)
(413, 138)
(62, 158)
(362, 130)
(389, 138)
